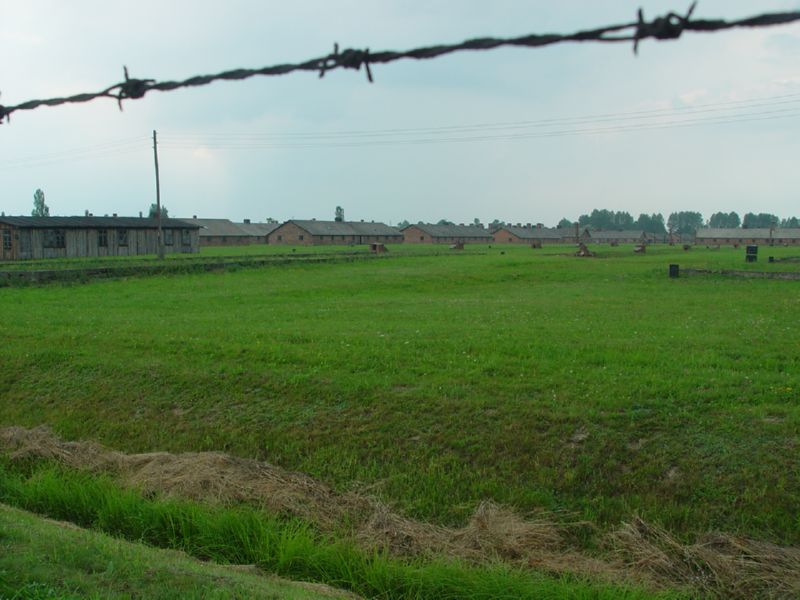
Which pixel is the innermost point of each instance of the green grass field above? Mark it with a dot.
(595, 388)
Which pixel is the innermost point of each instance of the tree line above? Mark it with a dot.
(678, 222)
(683, 222)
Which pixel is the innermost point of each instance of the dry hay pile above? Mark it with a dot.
(721, 566)
(204, 476)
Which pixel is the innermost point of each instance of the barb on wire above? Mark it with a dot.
(132, 88)
(670, 26)
(349, 59)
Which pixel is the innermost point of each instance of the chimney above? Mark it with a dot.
(519, 224)
(114, 215)
(538, 225)
(140, 214)
(247, 221)
(86, 213)
(194, 216)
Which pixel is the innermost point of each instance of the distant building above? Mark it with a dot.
(575, 235)
(633, 236)
(786, 237)
(316, 233)
(222, 232)
(529, 234)
(257, 232)
(736, 236)
(24, 238)
(425, 233)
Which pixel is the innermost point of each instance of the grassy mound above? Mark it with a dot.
(44, 559)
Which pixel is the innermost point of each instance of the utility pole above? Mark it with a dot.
(158, 199)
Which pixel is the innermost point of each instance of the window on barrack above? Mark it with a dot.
(54, 238)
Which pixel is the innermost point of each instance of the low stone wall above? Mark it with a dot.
(23, 277)
(790, 275)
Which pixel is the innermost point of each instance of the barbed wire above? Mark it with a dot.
(669, 26)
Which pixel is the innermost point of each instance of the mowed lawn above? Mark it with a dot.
(598, 388)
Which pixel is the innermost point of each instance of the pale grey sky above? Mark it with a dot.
(530, 139)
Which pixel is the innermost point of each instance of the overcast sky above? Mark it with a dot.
(708, 122)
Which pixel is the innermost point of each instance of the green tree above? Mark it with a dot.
(724, 220)
(623, 220)
(686, 221)
(651, 223)
(153, 213)
(791, 223)
(339, 214)
(444, 222)
(565, 223)
(606, 219)
(403, 223)
(752, 220)
(40, 209)
(657, 221)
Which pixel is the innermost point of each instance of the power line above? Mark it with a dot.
(728, 105)
(649, 119)
(77, 151)
(449, 137)
(669, 26)
(96, 154)
(650, 114)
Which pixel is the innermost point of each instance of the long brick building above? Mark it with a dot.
(426, 233)
(315, 233)
(760, 235)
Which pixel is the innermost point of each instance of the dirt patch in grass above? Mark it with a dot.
(638, 552)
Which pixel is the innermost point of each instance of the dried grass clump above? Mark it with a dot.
(384, 529)
(206, 476)
(496, 530)
(492, 532)
(720, 565)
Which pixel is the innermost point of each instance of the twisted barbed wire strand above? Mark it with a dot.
(669, 26)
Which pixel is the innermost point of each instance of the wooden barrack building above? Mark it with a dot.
(24, 238)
